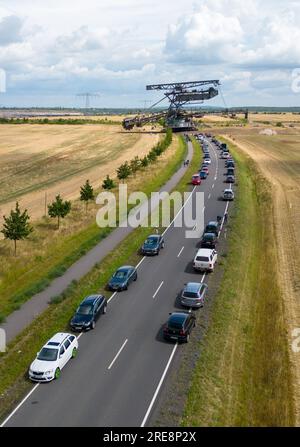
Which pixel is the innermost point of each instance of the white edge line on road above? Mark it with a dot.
(157, 290)
(110, 298)
(20, 404)
(181, 250)
(213, 185)
(179, 210)
(209, 195)
(118, 353)
(159, 386)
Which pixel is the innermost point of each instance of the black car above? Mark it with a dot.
(153, 244)
(88, 313)
(209, 240)
(229, 163)
(230, 170)
(179, 326)
(212, 227)
(122, 278)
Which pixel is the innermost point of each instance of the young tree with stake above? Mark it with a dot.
(108, 183)
(59, 209)
(16, 226)
(86, 194)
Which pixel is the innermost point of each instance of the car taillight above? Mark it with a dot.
(166, 329)
(182, 332)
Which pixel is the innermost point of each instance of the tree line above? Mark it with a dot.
(17, 227)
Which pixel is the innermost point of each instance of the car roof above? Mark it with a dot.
(209, 234)
(125, 267)
(204, 251)
(57, 339)
(90, 299)
(193, 286)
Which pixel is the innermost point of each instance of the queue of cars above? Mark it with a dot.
(62, 347)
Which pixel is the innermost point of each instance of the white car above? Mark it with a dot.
(225, 155)
(228, 194)
(207, 161)
(205, 260)
(53, 357)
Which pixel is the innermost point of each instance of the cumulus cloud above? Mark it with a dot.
(250, 46)
(10, 30)
(224, 31)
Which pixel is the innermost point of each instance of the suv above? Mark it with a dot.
(212, 227)
(193, 294)
(179, 326)
(88, 313)
(209, 240)
(205, 260)
(53, 356)
(228, 194)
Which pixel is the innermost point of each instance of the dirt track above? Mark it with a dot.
(280, 164)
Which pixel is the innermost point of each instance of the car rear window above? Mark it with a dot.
(175, 325)
(190, 295)
(202, 258)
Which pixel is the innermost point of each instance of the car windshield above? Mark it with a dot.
(120, 274)
(208, 237)
(210, 228)
(190, 294)
(85, 309)
(48, 355)
(151, 241)
(202, 258)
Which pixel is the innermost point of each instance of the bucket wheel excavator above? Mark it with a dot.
(179, 94)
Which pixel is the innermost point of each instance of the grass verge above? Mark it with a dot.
(14, 363)
(243, 376)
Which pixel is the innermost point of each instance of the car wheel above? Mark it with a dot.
(74, 353)
(104, 309)
(57, 374)
(93, 324)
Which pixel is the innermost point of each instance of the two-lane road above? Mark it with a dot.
(122, 363)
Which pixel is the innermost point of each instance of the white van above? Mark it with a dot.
(205, 260)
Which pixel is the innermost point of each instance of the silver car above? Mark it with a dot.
(193, 294)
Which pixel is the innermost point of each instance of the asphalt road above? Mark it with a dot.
(121, 365)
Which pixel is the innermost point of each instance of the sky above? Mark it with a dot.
(52, 50)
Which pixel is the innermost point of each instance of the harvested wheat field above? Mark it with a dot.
(36, 160)
(278, 158)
